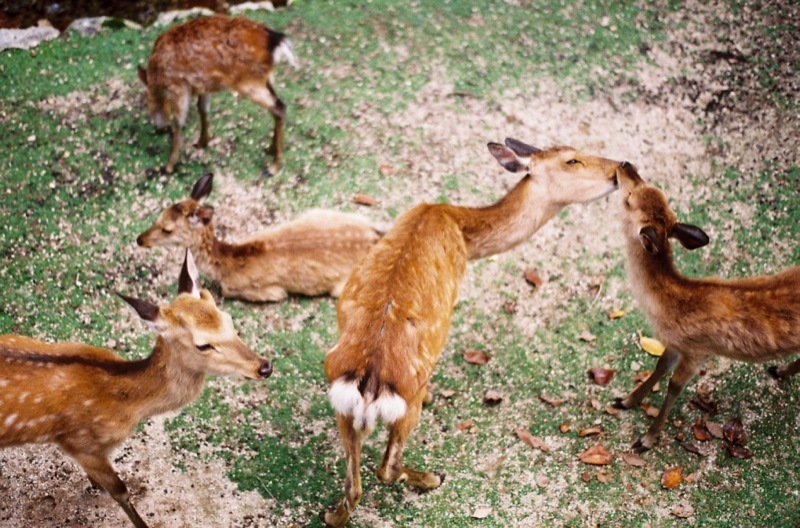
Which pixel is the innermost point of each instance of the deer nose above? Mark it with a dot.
(265, 370)
(624, 165)
(140, 241)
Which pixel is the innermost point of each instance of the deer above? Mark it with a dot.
(752, 319)
(311, 255)
(214, 54)
(394, 313)
(88, 400)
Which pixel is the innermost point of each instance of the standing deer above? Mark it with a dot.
(87, 399)
(208, 55)
(312, 255)
(394, 313)
(754, 319)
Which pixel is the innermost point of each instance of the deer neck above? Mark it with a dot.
(505, 224)
(654, 279)
(208, 252)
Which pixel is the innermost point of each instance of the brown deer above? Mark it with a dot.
(754, 319)
(87, 399)
(394, 313)
(312, 255)
(208, 55)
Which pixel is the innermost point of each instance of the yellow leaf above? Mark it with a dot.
(616, 314)
(654, 347)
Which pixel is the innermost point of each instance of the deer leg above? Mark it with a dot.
(180, 112)
(202, 109)
(262, 94)
(665, 363)
(392, 468)
(352, 479)
(784, 371)
(685, 370)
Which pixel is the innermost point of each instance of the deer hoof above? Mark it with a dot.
(773, 372)
(639, 447)
(617, 404)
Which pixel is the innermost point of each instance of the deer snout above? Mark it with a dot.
(265, 369)
(141, 241)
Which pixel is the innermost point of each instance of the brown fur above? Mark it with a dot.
(87, 399)
(394, 313)
(754, 319)
(312, 255)
(208, 55)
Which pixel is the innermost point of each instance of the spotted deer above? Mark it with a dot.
(394, 313)
(87, 400)
(311, 255)
(209, 55)
(754, 319)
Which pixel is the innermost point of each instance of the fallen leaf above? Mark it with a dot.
(650, 410)
(555, 402)
(616, 314)
(492, 398)
(705, 402)
(386, 170)
(585, 476)
(481, 512)
(542, 481)
(447, 393)
(679, 436)
(595, 404)
(738, 451)
(701, 432)
(463, 426)
(510, 307)
(564, 427)
(533, 278)
(715, 429)
(533, 441)
(733, 430)
(690, 447)
(683, 509)
(364, 199)
(596, 455)
(671, 478)
(600, 375)
(586, 336)
(476, 357)
(652, 346)
(603, 477)
(642, 376)
(633, 460)
(593, 430)
(613, 411)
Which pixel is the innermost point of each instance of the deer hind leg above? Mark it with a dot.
(686, 369)
(351, 439)
(392, 468)
(180, 112)
(665, 363)
(262, 94)
(202, 109)
(102, 474)
(784, 371)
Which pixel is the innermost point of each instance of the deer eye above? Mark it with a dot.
(166, 231)
(204, 348)
(572, 162)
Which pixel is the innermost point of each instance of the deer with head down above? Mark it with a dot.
(87, 400)
(394, 313)
(208, 55)
(754, 319)
(311, 255)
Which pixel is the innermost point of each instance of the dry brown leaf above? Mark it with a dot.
(533, 441)
(542, 481)
(733, 430)
(633, 460)
(701, 432)
(690, 447)
(564, 427)
(654, 347)
(600, 375)
(555, 402)
(364, 199)
(738, 451)
(705, 402)
(603, 477)
(596, 455)
(447, 393)
(510, 307)
(481, 512)
(595, 404)
(492, 398)
(683, 509)
(463, 426)
(642, 376)
(585, 476)
(715, 429)
(476, 357)
(613, 411)
(616, 314)
(586, 336)
(533, 278)
(588, 431)
(386, 170)
(650, 410)
(671, 478)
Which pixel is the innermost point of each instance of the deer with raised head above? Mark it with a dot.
(755, 319)
(87, 400)
(394, 313)
(208, 55)
(311, 255)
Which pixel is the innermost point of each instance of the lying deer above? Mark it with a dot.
(754, 320)
(88, 399)
(208, 55)
(394, 313)
(312, 255)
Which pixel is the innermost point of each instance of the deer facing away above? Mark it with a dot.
(754, 319)
(311, 255)
(394, 313)
(208, 55)
(87, 399)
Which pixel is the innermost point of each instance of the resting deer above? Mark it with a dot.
(88, 399)
(312, 255)
(208, 55)
(755, 319)
(394, 313)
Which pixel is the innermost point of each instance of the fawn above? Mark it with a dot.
(208, 55)
(754, 319)
(88, 399)
(312, 255)
(394, 313)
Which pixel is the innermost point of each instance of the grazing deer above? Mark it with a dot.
(312, 255)
(754, 319)
(88, 399)
(394, 313)
(208, 55)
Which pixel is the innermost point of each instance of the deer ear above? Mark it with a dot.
(189, 280)
(522, 149)
(202, 188)
(690, 237)
(649, 239)
(508, 158)
(142, 74)
(201, 216)
(147, 312)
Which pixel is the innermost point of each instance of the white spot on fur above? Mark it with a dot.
(10, 420)
(346, 400)
(285, 51)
